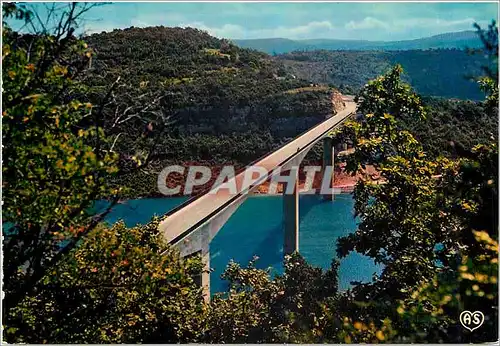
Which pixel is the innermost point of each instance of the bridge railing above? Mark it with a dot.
(239, 171)
(239, 194)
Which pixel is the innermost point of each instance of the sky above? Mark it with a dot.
(364, 21)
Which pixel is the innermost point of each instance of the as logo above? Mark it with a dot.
(471, 320)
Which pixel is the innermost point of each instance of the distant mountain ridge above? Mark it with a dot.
(456, 40)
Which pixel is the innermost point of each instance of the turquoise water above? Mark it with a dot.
(140, 211)
(256, 229)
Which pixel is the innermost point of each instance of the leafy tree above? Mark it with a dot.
(67, 277)
(119, 285)
(400, 220)
(53, 168)
(432, 223)
(290, 308)
(472, 200)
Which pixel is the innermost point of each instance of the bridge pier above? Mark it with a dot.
(329, 160)
(202, 279)
(191, 227)
(205, 275)
(291, 218)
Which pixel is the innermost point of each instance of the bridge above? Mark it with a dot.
(192, 225)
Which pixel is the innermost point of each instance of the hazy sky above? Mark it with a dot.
(368, 21)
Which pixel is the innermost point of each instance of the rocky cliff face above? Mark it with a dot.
(284, 115)
(337, 102)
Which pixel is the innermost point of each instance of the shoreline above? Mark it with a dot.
(342, 180)
(345, 190)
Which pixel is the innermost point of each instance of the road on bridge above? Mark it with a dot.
(189, 216)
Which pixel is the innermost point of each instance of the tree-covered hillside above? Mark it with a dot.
(453, 127)
(207, 85)
(185, 96)
(441, 72)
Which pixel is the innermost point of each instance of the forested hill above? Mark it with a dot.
(208, 85)
(196, 99)
(452, 40)
(440, 72)
(204, 100)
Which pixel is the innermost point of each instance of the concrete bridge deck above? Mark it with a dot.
(208, 211)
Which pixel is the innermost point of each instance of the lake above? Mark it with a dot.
(256, 229)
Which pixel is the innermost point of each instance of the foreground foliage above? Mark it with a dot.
(69, 278)
(433, 223)
(53, 167)
(118, 286)
(288, 308)
(66, 277)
